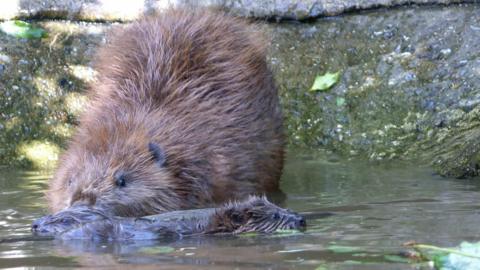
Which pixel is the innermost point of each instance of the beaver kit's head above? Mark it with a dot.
(62, 221)
(256, 214)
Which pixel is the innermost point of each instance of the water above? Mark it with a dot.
(375, 210)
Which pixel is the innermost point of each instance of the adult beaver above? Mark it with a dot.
(184, 114)
(255, 214)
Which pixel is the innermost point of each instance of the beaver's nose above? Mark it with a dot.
(37, 224)
(300, 222)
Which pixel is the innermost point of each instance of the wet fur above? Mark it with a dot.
(197, 86)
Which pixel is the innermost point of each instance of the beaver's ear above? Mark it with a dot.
(157, 154)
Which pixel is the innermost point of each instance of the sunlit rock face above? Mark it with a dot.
(129, 10)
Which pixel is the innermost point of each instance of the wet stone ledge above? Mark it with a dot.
(108, 10)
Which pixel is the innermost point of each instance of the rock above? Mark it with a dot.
(42, 93)
(4, 58)
(129, 10)
(411, 95)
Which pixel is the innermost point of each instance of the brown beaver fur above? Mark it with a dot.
(184, 114)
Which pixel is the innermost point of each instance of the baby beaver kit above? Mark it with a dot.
(184, 114)
(255, 214)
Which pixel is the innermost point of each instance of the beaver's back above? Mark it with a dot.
(186, 56)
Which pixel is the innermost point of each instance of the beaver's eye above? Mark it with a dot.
(120, 179)
(66, 221)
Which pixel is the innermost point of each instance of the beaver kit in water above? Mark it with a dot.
(184, 115)
(255, 214)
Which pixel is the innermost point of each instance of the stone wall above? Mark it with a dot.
(107, 10)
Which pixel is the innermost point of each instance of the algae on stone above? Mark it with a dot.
(409, 88)
(41, 93)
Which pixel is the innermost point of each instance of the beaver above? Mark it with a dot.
(255, 214)
(184, 114)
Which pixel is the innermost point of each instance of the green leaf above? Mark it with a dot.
(22, 29)
(466, 256)
(395, 259)
(284, 233)
(353, 262)
(157, 250)
(287, 231)
(324, 82)
(340, 101)
(342, 249)
(249, 234)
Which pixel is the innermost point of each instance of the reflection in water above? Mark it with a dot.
(370, 209)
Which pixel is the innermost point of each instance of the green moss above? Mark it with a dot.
(424, 71)
(43, 83)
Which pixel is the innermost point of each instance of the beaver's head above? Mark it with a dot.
(114, 163)
(256, 214)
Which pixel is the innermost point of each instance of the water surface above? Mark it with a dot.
(375, 210)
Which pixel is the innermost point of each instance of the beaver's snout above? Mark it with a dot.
(35, 226)
(38, 224)
(296, 221)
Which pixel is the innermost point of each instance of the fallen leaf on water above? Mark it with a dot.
(464, 257)
(157, 250)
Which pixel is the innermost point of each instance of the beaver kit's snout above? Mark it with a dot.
(297, 222)
(256, 214)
